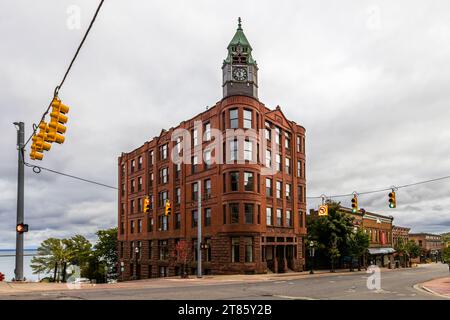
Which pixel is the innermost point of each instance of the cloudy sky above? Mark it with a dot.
(368, 80)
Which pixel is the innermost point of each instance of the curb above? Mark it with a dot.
(421, 287)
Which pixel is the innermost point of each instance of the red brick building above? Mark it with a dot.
(253, 221)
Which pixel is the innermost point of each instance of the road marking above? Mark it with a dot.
(294, 298)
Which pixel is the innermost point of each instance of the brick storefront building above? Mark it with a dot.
(400, 234)
(431, 245)
(252, 221)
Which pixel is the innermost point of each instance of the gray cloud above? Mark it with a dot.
(368, 82)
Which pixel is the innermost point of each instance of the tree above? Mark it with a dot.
(78, 249)
(331, 232)
(446, 255)
(412, 250)
(182, 256)
(106, 250)
(52, 256)
(357, 243)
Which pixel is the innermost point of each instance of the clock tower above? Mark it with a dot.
(240, 71)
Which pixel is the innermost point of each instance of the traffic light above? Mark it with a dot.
(21, 228)
(146, 204)
(168, 208)
(39, 144)
(355, 204)
(58, 118)
(392, 200)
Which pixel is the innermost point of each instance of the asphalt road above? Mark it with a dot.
(395, 285)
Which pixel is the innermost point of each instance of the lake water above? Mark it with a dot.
(8, 263)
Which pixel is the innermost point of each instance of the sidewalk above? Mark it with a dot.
(440, 287)
(8, 288)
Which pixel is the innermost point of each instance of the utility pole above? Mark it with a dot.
(18, 272)
(199, 231)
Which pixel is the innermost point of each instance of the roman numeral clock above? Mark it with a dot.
(239, 68)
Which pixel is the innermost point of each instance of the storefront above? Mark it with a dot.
(382, 257)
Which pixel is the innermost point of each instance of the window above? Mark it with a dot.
(223, 121)
(208, 188)
(163, 249)
(278, 161)
(268, 131)
(139, 202)
(234, 249)
(287, 140)
(140, 163)
(248, 181)
(195, 191)
(208, 131)
(248, 249)
(150, 158)
(132, 226)
(208, 250)
(279, 217)
(207, 159)
(224, 183)
(133, 184)
(123, 170)
(258, 215)
(122, 212)
(194, 164)
(288, 218)
(233, 150)
(139, 246)
(164, 175)
(122, 228)
(151, 180)
(177, 220)
(269, 216)
(140, 184)
(149, 249)
(249, 210)
(277, 135)
(178, 145)
(123, 189)
(268, 187)
(288, 165)
(224, 214)
(279, 187)
(132, 206)
(177, 195)
(178, 171)
(163, 222)
(151, 202)
(234, 178)
(234, 119)
(288, 191)
(131, 250)
(248, 119)
(150, 225)
(207, 217)
(299, 143)
(268, 159)
(194, 216)
(163, 151)
(162, 197)
(300, 218)
(139, 226)
(234, 212)
(300, 194)
(248, 150)
(195, 141)
(299, 169)
(133, 164)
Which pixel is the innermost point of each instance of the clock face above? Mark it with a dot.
(240, 74)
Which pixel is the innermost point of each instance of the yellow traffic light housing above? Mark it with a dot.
(58, 118)
(355, 204)
(146, 204)
(168, 208)
(39, 144)
(392, 200)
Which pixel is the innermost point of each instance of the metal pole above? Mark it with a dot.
(199, 231)
(20, 200)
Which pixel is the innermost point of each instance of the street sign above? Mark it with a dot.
(323, 210)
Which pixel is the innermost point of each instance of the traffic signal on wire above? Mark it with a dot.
(355, 204)
(58, 119)
(39, 144)
(168, 208)
(392, 200)
(146, 204)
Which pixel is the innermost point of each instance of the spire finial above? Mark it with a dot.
(239, 23)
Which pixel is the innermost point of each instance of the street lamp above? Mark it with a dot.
(311, 254)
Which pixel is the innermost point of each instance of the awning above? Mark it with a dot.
(381, 250)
